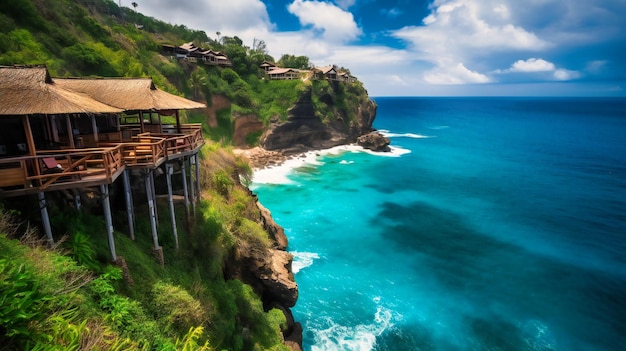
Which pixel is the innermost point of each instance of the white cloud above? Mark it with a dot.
(532, 65)
(564, 74)
(345, 4)
(454, 74)
(466, 33)
(335, 23)
(541, 68)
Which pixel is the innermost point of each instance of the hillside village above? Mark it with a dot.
(189, 52)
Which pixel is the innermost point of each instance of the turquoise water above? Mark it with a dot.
(496, 224)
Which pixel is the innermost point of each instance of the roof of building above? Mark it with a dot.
(128, 93)
(279, 70)
(326, 69)
(26, 90)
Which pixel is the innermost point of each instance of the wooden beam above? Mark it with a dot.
(141, 126)
(94, 128)
(191, 188)
(185, 190)
(151, 208)
(30, 141)
(106, 205)
(70, 131)
(45, 219)
(130, 210)
(169, 170)
(197, 162)
(177, 122)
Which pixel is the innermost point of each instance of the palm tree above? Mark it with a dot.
(134, 5)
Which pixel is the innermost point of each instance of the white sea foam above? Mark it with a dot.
(302, 260)
(439, 127)
(360, 337)
(280, 174)
(406, 135)
(344, 162)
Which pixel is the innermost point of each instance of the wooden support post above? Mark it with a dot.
(197, 162)
(106, 205)
(94, 128)
(141, 126)
(130, 210)
(192, 192)
(77, 202)
(156, 211)
(183, 171)
(70, 131)
(169, 170)
(151, 209)
(160, 125)
(177, 122)
(45, 219)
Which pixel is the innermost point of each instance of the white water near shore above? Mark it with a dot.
(279, 174)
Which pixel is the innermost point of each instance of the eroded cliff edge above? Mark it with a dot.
(335, 114)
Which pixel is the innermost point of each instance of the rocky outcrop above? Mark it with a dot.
(277, 232)
(374, 141)
(245, 125)
(218, 102)
(304, 130)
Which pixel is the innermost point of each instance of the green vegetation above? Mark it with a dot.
(71, 296)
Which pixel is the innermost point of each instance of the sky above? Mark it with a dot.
(432, 47)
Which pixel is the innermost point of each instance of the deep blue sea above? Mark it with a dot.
(495, 224)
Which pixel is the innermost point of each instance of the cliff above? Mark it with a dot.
(327, 114)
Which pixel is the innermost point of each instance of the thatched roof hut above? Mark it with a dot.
(129, 94)
(27, 90)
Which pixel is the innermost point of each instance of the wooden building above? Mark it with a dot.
(69, 134)
(283, 73)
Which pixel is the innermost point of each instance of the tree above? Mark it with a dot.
(135, 5)
(291, 61)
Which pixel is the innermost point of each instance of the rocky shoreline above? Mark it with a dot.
(260, 158)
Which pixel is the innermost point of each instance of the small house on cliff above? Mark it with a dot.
(283, 73)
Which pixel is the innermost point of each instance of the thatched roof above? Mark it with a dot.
(129, 94)
(29, 90)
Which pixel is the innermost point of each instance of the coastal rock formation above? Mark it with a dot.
(245, 125)
(374, 141)
(277, 232)
(304, 130)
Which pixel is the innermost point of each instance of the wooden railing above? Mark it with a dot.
(60, 166)
(50, 167)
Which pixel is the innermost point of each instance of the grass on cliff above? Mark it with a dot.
(71, 298)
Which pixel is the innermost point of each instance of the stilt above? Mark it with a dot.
(153, 188)
(183, 170)
(106, 205)
(197, 162)
(169, 170)
(130, 210)
(45, 220)
(77, 202)
(192, 192)
(151, 209)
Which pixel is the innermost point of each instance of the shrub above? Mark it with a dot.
(179, 310)
(20, 300)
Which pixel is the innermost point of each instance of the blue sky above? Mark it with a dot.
(435, 47)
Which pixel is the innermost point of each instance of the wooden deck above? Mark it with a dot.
(75, 168)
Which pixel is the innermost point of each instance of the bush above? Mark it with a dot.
(179, 310)
(20, 300)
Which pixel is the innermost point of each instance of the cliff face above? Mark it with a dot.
(309, 127)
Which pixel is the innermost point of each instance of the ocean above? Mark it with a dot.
(494, 224)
